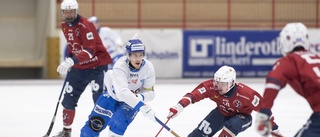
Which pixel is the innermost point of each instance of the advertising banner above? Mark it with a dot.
(163, 49)
(251, 53)
(178, 53)
(314, 38)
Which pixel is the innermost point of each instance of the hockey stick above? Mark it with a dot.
(167, 128)
(162, 127)
(55, 112)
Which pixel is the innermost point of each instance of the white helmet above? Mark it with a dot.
(69, 5)
(226, 74)
(293, 35)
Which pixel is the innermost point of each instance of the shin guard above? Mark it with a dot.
(68, 116)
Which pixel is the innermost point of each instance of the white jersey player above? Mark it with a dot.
(129, 85)
(110, 39)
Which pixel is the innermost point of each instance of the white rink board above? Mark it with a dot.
(27, 108)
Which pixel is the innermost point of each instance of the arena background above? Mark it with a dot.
(186, 39)
(194, 36)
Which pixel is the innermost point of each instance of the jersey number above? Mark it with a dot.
(70, 36)
(95, 86)
(310, 60)
(205, 127)
(68, 88)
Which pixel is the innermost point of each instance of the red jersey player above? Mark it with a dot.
(86, 62)
(300, 69)
(235, 102)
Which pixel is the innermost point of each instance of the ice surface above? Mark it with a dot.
(27, 107)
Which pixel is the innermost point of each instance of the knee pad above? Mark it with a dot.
(117, 126)
(69, 102)
(238, 123)
(96, 123)
(235, 128)
(121, 119)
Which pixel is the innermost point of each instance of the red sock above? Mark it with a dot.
(226, 133)
(68, 116)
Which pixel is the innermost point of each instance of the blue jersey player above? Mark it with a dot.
(129, 85)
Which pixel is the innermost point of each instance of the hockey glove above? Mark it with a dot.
(147, 111)
(64, 67)
(175, 110)
(263, 124)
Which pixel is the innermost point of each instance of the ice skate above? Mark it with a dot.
(64, 133)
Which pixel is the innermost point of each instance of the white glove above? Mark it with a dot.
(263, 124)
(64, 67)
(175, 110)
(147, 111)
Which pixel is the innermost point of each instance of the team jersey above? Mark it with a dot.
(84, 44)
(301, 70)
(241, 99)
(112, 41)
(124, 83)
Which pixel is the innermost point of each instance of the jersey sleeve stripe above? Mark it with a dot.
(273, 86)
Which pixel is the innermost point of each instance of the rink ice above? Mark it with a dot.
(27, 108)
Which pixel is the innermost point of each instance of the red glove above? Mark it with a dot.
(175, 110)
(263, 124)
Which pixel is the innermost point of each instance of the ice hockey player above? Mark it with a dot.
(300, 68)
(235, 102)
(129, 85)
(86, 62)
